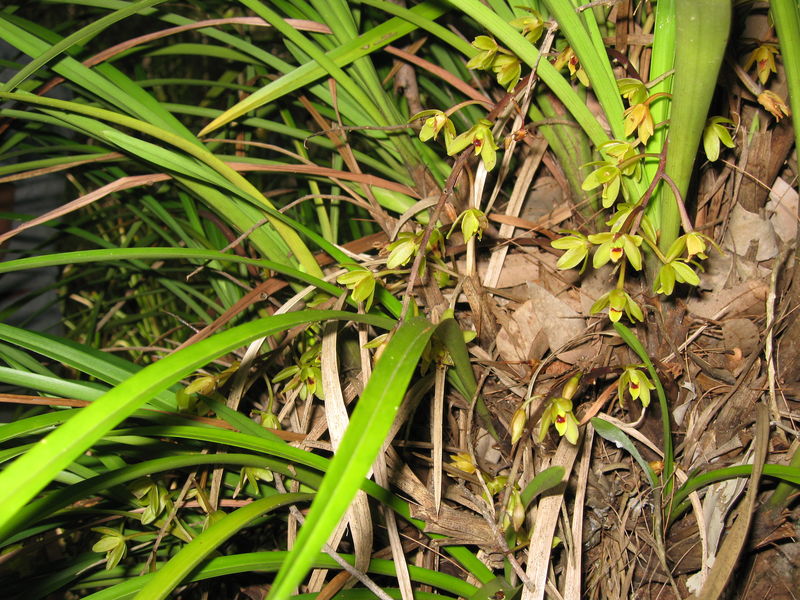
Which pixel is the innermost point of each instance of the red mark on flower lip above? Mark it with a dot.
(561, 419)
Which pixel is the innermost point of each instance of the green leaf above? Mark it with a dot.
(94, 28)
(197, 254)
(701, 37)
(269, 562)
(547, 479)
(169, 576)
(618, 437)
(104, 366)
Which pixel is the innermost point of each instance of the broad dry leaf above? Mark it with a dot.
(742, 334)
(545, 525)
(782, 208)
(560, 322)
(730, 287)
(746, 229)
(358, 515)
(521, 338)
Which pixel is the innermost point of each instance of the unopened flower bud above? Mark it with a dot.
(518, 422)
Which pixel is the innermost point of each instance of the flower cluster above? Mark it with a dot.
(558, 412)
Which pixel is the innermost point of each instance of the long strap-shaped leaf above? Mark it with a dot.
(360, 445)
(132, 254)
(105, 366)
(192, 554)
(309, 72)
(30, 473)
(33, 513)
(65, 44)
(594, 60)
(103, 81)
(241, 185)
(661, 63)
(270, 561)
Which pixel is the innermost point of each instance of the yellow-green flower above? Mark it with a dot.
(482, 140)
(696, 244)
(407, 245)
(633, 90)
(622, 152)
(577, 248)
(638, 116)
(251, 476)
(362, 283)
(531, 26)
(764, 58)
(153, 496)
(305, 375)
(559, 413)
(618, 301)
(714, 134)
(113, 543)
(636, 383)
(607, 175)
(487, 49)
(402, 249)
(508, 70)
(435, 121)
(613, 246)
(463, 462)
(473, 222)
(496, 484)
(675, 270)
(569, 58)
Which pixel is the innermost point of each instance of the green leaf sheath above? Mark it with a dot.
(786, 16)
(701, 36)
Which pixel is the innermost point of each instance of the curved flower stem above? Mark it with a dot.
(654, 247)
(453, 109)
(686, 223)
(449, 186)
